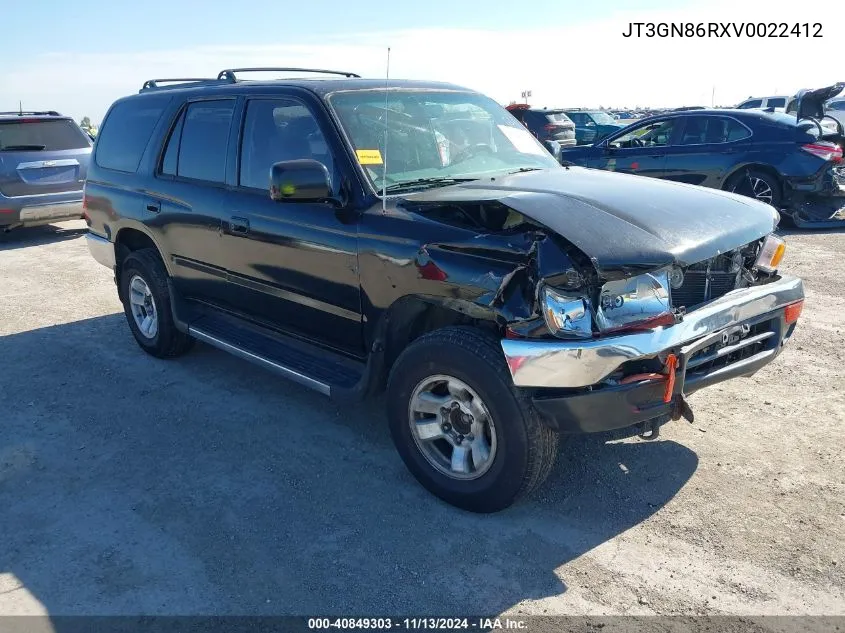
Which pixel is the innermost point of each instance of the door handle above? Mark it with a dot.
(154, 207)
(239, 225)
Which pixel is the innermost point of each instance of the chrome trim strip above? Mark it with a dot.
(580, 363)
(287, 372)
(41, 164)
(101, 250)
(730, 349)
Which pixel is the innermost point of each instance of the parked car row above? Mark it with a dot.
(413, 237)
(791, 160)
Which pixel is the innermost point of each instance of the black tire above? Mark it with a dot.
(526, 446)
(168, 342)
(753, 182)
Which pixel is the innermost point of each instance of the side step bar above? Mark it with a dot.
(267, 363)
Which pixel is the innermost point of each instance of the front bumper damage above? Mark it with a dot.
(734, 335)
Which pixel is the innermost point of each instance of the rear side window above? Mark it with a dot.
(198, 143)
(701, 130)
(775, 103)
(754, 103)
(41, 134)
(126, 132)
(557, 117)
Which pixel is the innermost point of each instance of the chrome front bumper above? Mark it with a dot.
(581, 363)
(101, 250)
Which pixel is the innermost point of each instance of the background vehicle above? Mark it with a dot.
(768, 156)
(592, 125)
(835, 108)
(43, 163)
(777, 103)
(263, 219)
(546, 124)
(809, 105)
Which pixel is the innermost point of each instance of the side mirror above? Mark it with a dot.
(302, 180)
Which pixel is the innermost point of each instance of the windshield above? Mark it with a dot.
(602, 118)
(434, 137)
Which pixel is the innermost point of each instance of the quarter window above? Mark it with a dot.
(277, 130)
(126, 132)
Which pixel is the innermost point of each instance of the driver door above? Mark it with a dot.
(641, 151)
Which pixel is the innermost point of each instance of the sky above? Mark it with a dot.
(78, 57)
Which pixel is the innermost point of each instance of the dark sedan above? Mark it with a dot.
(766, 155)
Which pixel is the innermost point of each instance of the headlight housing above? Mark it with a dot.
(771, 254)
(640, 302)
(567, 316)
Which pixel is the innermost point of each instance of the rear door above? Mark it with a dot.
(190, 195)
(707, 149)
(42, 159)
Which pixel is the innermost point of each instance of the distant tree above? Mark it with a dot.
(85, 122)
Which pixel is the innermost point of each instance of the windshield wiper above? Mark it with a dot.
(425, 182)
(524, 169)
(22, 148)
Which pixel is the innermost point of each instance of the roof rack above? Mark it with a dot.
(154, 83)
(229, 73)
(32, 112)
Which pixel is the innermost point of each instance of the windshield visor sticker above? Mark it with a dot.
(369, 156)
(522, 140)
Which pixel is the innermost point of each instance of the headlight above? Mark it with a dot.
(566, 316)
(771, 254)
(640, 302)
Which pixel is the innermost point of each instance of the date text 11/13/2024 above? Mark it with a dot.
(416, 624)
(723, 29)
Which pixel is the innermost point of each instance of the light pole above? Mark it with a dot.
(525, 95)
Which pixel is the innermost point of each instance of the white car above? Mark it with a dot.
(835, 108)
(778, 103)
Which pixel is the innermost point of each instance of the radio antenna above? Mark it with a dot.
(384, 160)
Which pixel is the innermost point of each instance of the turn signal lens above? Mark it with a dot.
(793, 311)
(771, 254)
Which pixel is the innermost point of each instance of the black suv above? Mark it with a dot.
(355, 235)
(547, 125)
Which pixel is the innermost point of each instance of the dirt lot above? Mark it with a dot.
(205, 485)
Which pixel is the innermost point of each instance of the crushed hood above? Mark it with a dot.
(623, 223)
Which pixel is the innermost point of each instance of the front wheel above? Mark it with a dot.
(461, 427)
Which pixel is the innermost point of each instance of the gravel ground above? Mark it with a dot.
(204, 485)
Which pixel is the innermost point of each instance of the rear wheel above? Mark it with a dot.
(461, 427)
(757, 184)
(146, 303)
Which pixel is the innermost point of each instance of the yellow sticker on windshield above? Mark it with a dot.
(369, 156)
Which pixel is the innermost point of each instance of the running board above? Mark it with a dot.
(267, 363)
(324, 371)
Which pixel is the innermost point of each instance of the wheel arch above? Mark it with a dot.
(761, 167)
(129, 239)
(412, 316)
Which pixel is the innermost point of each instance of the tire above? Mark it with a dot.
(757, 184)
(524, 450)
(165, 341)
